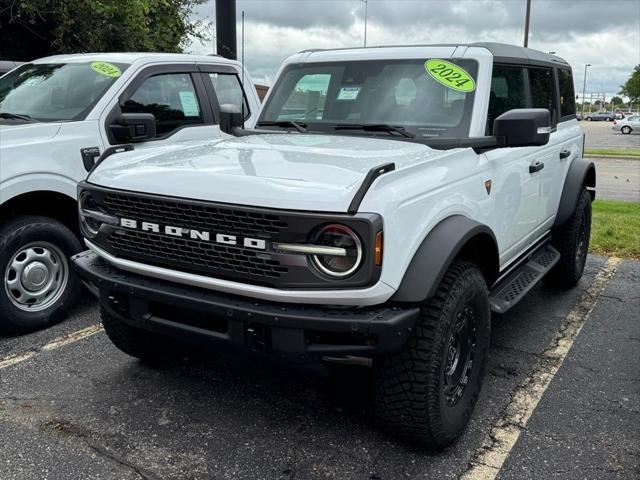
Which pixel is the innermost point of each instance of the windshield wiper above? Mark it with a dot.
(301, 127)
(16, 116)
(375, 127)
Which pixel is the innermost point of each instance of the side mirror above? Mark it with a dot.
(230, 117)
(133, 127)
(523, 127)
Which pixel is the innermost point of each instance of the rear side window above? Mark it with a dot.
(567, 93)
(229, 91)
(507, 92)
(171, 98)
(542, 87)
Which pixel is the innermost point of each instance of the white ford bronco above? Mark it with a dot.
(388, 200)
(57, 116)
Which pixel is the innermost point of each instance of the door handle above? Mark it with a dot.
(565, 154)
(536, 167)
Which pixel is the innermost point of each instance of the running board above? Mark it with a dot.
(517, 284)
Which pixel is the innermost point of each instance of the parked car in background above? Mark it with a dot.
(599, 117)
(58, 115)
(8, 65)
(628, 125)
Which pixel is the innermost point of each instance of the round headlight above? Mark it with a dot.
(87, 205)
(339, 236)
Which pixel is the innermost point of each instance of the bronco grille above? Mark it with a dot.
(228, 220)
(192, 254)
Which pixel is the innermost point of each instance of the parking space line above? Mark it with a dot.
(52, 345)
(489, 459)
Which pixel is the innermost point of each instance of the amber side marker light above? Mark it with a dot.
(378, 249)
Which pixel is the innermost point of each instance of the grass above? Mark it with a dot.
(615, 229)
(616, 152)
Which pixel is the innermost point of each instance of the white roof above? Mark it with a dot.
(135, 57)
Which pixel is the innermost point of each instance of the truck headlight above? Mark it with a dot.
(344, 255)
(91, 215)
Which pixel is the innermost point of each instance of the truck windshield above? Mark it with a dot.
(55, 91)
(347, 97)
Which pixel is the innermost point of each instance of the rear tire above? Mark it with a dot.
(589, 119)
(147, 346)
(426, 392)
(38, 281)
(572, 241)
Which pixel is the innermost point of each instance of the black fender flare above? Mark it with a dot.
(454, 236)
(582, 172)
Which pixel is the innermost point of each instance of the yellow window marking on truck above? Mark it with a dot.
(450, 75)
(106, 69)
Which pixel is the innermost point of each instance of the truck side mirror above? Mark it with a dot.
(230, 117)
(133, 127)
(523, 127)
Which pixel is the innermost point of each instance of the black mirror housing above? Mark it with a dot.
(134, 127)
(230, 117)
(523, 127)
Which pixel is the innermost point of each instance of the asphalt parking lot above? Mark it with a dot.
(601, 135)
(72, 406)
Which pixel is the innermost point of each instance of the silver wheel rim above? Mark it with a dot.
(36, 276)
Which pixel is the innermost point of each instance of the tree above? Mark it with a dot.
(631, 88)
(616, 101)
(37, 28)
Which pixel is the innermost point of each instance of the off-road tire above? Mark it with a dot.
(409, 391)
(33, 232)
(149, 347)
(572, 241)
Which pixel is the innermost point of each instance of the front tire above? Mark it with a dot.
(626, 130)
(38, 282)
(572, 241)
(425, 393)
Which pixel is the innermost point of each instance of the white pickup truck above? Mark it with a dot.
(58, 115)
(389, 200)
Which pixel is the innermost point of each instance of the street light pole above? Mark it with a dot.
(526, 24)
(584, 86)
(366, 8)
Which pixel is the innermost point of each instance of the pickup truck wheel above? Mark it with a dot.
(426, 393)
(572, 241)
(147, 346)
(38, 283)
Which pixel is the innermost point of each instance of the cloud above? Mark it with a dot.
(601, 32)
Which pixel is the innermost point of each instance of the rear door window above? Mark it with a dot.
(567, 93)
(171, 98)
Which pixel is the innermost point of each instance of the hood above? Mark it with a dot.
(12, 135)
(287, 171)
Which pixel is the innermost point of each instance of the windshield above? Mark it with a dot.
(56, 91)
(400, 93)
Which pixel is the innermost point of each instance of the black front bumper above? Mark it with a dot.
(204, 316)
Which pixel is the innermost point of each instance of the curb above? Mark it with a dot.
(619, 157)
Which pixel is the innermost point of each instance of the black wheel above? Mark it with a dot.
(38, 283)
(626, 130)
(425, 393)
(147, 346)
(572, 241)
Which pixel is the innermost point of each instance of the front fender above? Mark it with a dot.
(436, 252)
(37, 182)
(582, 172)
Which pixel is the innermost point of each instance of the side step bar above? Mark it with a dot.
(517, 284)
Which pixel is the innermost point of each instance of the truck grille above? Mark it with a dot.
(191, 254)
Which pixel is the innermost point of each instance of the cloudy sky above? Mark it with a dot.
(605, 33)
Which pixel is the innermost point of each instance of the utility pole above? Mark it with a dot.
(366, 8)
(584, 87)
(226, 29)
(526, 24)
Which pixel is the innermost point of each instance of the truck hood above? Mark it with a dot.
(288, 171)
(12, 135)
